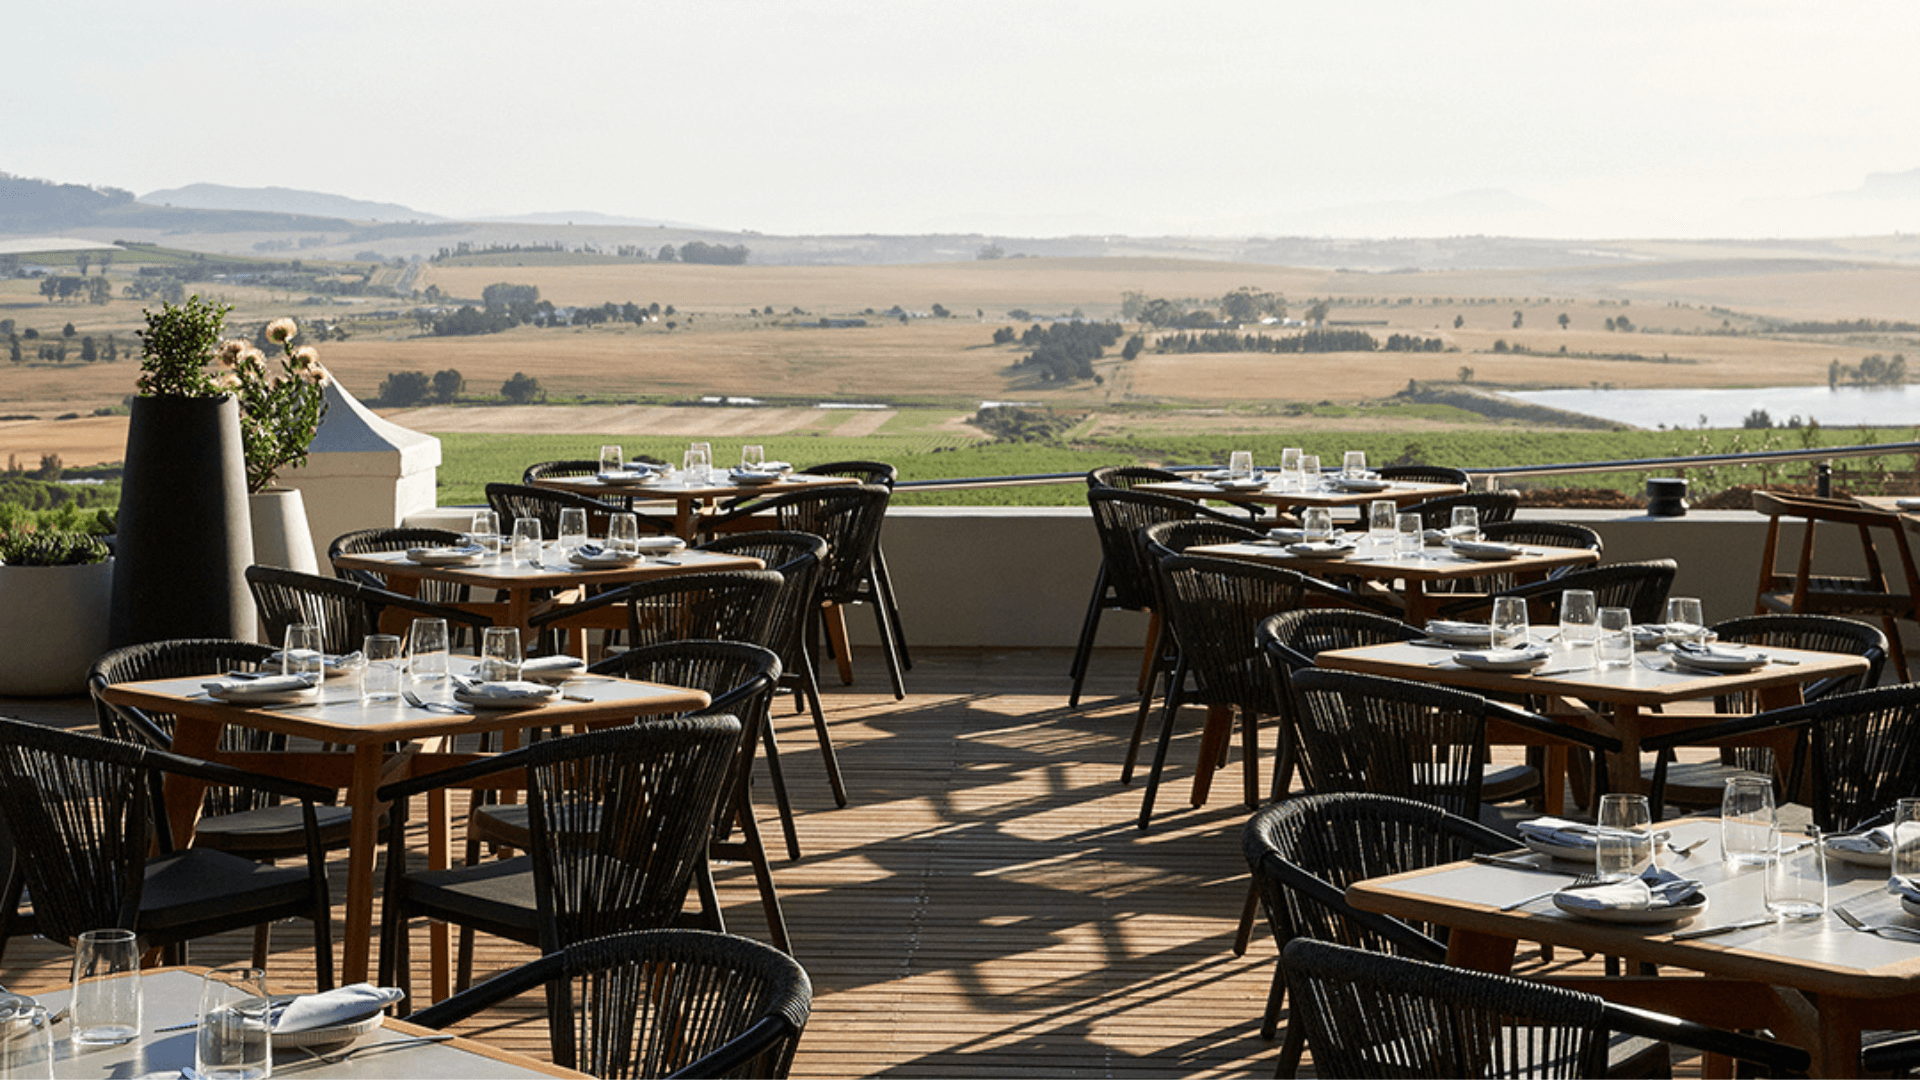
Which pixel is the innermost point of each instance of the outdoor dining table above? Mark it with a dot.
(165, 1048)
(1418, 572)
(519, 582)
(1815, 983)
(1328, 491)
(1637, 692)
(690, 498)
(365, 730)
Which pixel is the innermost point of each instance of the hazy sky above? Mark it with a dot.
(1025, 117)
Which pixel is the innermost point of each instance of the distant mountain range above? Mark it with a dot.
(281, 200)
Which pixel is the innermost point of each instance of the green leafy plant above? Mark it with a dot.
(279, 409)
(52, 549)
(179, 350)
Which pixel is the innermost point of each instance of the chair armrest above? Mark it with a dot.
(1316, 889)
(508, 984)
(737, 1051)
(453, 776)
(1518, 717)
(564, 612)
(384, 598)
(214, 772)
(149, 732)
(1710, 734)
(1348, 598)
(1777, 1058)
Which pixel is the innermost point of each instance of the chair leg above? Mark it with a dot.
(754, 852)
(1250, 750)
(888, 634)
(1168, 716)
(810, 687)
(883, 590)
(1276, 996)
(770, 747)
(835, 620)
(1089, 629)
(263, 944)
(1149, 653)
(1894, 647)
(1249, 911)
(711, 917)
(1161, 663)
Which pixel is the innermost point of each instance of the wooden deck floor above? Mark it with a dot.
(985, 907)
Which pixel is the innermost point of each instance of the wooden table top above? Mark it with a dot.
(554, 572)
(1820, 955)
(1432, 564)
(1649, 680)
(679, 489)
(1401, 492)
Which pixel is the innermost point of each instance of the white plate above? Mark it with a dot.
(557, 673)
(1519, 662)
(753, 479)
(605, 560)
(332, 666)
(1879, 860)
(332, 1033)
(1342, 483)
(1908, 905)
(253, 695)
(445, 556)
(1642, 916)
(528, 700)
(1558, 851)
(1485, 552)
(1322, 549)
(1251, 484)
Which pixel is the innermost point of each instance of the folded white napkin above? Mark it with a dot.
(1531, 654)
(463, 551)
(1715, 657)
(776, 466)
(1654, 888)
(269, 684)
(1870, 842)
(1335, 546)
(1449, 630)
(344, 1005)
(660, 543)
(333, 661)
(1559, 832)
(513, 690)
(596, 555)
(761, 474)
(1906, 888)
(1907, 504)
(1287, 536)
(1484, 549)
(544, 665)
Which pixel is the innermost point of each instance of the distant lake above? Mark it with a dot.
(1893, 406)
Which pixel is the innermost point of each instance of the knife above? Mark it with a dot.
(1516, 864)
(1710, 931)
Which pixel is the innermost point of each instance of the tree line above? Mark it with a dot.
(1875, 370)
(404, 389)
(507, 305)
(693, 251)
(1311, 341)
(1064, 352)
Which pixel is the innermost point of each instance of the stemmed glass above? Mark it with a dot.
(611, 459)
(752, 457)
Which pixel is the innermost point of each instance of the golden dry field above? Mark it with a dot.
(1681, 306)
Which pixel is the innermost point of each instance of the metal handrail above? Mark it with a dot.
(1577, 468)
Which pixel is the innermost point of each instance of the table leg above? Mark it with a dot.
(364, 840)
(192, 738)
(1626, 766)
(439, 840)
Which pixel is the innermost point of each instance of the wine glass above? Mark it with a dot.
(1684, 620)
(1624, 848)
(526, 540)
(1409, 536)
(486, 531)
(1353, 464)
(427, 649)
(1578, 615)
(1613, 647)
(611, 459)
(1309, 472)
(573, 528)
(300, 652)
(1317, 524)
(623, 532)
(1465, 523)
(752, 457)
(1380, 523)
(1510, 628)
(1240, 465)
(1290, 468)
(500, 654)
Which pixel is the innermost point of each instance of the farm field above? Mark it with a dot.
(733, 331)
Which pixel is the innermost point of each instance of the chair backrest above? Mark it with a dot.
(81, 812)
(660, 1002)
(1213, 607)
(1305, 851)
(364, 541)
(867, 472)
(1544, 534)
(1816, 633)
(512, 501)
(1369, 1015)
(1391, 737)
(620, 820)
(1864, 752)
(719, 605)
(1175, 537)
(848, 518)
(797, 558)
(338, 606)
(1640, 587)
(560, 470)
(1118, 517)
(1127, 477)
(1494, 507)
(1425, 474)
(176, 659)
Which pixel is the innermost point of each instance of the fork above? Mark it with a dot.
(1580, 882)
(1684, 850)
(1890, 931)
(414, 700)
(337, 1056)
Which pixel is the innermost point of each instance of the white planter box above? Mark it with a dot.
(53, 626)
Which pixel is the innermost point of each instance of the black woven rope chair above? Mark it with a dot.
(1700, 783)
(619, 823)
(739, 679)
(512, 501)
(1536, 534)
(1418, 741)
(346, 611)
(367, 541)
(1854, 754)
(714, 605)
(848, 517)
(1494, 507)
(797, 557)
(1213, 607)
(885, 475)
(93, 848)
(1425, 474)
(1303, 853)
(1369, 1015)
(1124, 581)
(683, 1003)
(1128, 477)
(1641, 587)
